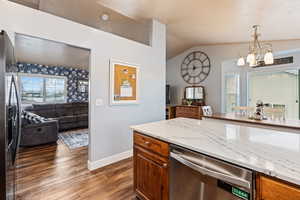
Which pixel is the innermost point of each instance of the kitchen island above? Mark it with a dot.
(272, 155)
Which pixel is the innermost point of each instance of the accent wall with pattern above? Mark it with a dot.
(72, 74)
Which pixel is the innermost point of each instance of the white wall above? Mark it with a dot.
(109, 126)
(217, 55)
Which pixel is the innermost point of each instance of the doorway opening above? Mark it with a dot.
(53, 80)
(277, 86)
(281, 90)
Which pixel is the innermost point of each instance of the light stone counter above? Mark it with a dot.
(271, 152)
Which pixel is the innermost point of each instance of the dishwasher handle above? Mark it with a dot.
(224, 177)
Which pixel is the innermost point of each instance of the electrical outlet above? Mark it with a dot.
(99, 102)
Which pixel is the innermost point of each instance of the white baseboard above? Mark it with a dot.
(109, 160)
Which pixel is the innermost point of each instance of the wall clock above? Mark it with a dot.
(195, 67)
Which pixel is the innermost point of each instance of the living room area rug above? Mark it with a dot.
(75, 139)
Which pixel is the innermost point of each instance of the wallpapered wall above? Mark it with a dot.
(72, 74)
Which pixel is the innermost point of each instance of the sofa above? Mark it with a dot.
(68, 115)
(42, 122)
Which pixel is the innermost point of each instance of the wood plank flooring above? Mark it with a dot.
(53, 172)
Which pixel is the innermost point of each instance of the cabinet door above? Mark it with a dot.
(151, 175)
(271, 189)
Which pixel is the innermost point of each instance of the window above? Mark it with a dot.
(232, 91)
(276, 88)
(42, 88)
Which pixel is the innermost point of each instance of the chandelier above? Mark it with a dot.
(259, 53)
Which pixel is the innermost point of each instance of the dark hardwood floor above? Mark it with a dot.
(53, 172)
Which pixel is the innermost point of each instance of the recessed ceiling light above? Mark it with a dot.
(105, 17)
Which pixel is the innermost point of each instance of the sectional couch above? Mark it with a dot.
(49, 119)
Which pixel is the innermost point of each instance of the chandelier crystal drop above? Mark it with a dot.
(259, 53)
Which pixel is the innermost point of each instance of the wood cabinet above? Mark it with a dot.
(273, 189)
(151, 174)
(151, 168)
(170, 112)
(194, 112)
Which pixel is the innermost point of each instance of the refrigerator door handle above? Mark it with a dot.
(17, 119)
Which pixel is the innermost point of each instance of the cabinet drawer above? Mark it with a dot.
(149, 143)
(188, 115)
(188, 112)
(271, 189)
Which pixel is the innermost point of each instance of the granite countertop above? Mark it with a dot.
(271, 152)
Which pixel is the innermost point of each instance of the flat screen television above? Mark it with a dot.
(168, 98)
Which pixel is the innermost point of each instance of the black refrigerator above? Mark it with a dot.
(10, 119)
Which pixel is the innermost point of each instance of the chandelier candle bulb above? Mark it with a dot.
(253, 64)
(251, 58)
(269, 58)
(241, 61)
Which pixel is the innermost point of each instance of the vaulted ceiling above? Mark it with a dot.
(90, 12)
(189, 22)
(198, 22)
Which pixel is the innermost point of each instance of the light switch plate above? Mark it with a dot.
(99, 102)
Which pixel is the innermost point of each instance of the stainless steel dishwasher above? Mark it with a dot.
(194, 176)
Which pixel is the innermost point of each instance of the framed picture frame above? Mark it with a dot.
(124, 83)
(83, 86)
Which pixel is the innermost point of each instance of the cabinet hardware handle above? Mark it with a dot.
(147, 142)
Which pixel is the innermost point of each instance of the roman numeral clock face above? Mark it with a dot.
(195, 67)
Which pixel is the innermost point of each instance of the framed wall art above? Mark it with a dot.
(124, 83)
(83, 86)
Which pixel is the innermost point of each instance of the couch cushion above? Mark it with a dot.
(80, 110)
(45, 113)
(44, 110)
(64, 109)
(37, 134)
(64, 105)
(84, 117)
(66, 119)
(69, 115)
(43, 106)
(80, 104)
(60, 112)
